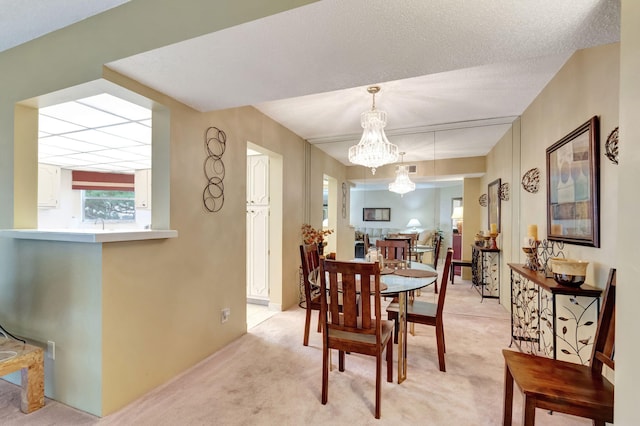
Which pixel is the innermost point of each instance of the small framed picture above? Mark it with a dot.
(376, 214)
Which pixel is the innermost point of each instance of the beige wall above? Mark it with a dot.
(628, 205)
(585, 86)
(137, 313)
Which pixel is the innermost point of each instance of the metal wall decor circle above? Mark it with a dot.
(503, 191)
(215, 143)
(531, 180)
(483, 200)
(611, 146)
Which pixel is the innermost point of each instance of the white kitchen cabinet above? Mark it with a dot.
(143, 189)
(48, 185)
(258, 253)
(258, 180)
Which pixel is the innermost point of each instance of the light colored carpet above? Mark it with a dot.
(268, 377)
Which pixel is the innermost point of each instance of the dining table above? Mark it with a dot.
(401, 282)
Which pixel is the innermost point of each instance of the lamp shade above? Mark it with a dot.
(457, 213)
(413, 223)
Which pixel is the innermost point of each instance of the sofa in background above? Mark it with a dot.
(425, 238)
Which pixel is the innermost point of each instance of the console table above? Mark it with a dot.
(550, 319)
(485, 269)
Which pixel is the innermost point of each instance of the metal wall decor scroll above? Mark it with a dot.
(483, 200)
(503, 191)
(215, 142)
(344, 200)
(611, 146)
(531, 180)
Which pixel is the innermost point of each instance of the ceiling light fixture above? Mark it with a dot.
(374, 149)
(402, 184)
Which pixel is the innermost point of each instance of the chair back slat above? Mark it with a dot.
(310, 261)
(394, 249)
(367, 244)
(604, 343)
(436, 251)
(347, 280)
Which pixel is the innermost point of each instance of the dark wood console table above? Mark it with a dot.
(485, 269)
(550, 319)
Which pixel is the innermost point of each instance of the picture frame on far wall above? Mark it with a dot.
(376, 214)
(493, 204)
(573, 187)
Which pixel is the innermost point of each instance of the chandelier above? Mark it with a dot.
(402, 184)
(374, 149)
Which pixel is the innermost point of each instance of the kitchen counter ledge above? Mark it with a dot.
(88, 235)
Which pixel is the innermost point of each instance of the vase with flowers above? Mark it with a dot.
(310, 235)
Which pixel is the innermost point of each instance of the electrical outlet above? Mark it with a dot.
(225, 314)
(51, 350)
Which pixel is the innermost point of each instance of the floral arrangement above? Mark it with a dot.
(311, 235)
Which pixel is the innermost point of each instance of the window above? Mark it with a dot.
(108, 205)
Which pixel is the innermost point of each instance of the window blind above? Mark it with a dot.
(102, 181)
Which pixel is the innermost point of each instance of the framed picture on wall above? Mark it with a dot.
(376, 214)
(493, 204)
(573, 187)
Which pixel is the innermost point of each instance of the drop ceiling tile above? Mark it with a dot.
(55, 127)
(106, 140)
(83, 115)
(120, 155)
(70, 144)
(117, 106)
(134, 131)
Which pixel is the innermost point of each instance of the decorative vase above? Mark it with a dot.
(321, 248)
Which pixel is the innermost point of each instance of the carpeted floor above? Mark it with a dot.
(268, 377)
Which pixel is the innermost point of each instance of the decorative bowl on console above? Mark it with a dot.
(569, 272)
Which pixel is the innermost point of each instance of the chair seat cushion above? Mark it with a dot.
(418, 307)
(560, 382)
(387, 330)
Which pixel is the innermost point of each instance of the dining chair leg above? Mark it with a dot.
(319, 322)
(340, 360)
(307, 323)
(507, 412)
(440, 345)
(389, 351)
(325, 374)
(378, 383)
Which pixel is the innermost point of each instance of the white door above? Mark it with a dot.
(258, 254)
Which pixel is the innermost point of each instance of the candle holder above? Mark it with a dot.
(492, 241)
(532, 255)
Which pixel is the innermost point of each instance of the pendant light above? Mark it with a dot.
(374, 149)
(402, 184)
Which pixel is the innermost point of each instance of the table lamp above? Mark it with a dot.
(457, 216)
(414, 223)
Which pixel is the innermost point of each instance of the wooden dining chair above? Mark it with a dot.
(427, 313)
(565, 387)
(394, 250)
(310, 261)
(360, 330)
(367, 244)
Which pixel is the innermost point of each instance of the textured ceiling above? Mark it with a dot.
(451, 71)
(465, 67)
(24, 20)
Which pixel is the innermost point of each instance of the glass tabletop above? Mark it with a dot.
(396, 283)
